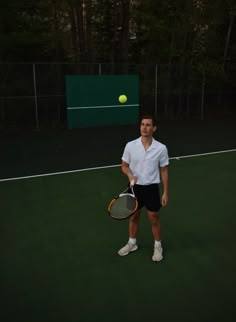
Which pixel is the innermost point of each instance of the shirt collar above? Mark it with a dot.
(152, 146)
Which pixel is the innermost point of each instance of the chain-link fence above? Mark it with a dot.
(33, 95)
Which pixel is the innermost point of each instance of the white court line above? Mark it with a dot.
(100, 106)
(57, 173)
(202, 154)
(110, 166)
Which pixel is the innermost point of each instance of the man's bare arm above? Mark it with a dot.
(165, 182)
(126, 170)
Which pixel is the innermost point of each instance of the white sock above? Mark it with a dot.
(132, 241)
(157, 243)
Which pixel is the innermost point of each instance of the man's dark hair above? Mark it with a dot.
(150, 117)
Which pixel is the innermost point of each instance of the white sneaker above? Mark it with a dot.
(129, 247)
(157, 255)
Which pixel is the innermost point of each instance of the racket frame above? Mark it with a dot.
(122, 194)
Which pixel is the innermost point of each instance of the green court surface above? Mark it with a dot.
(59, 258)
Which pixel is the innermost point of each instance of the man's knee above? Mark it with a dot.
(153, 216)
(135, 216)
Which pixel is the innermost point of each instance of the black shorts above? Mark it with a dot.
(148, 196)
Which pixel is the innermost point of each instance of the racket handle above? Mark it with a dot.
(132, 183)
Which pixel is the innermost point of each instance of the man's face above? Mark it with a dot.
(147, 128)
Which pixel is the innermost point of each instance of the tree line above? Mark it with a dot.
(200, 32)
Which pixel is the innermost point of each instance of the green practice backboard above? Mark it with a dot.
(93, 100)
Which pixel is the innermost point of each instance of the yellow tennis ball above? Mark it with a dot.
(122, 99)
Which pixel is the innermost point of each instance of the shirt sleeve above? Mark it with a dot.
(126, 154)
(164, 159)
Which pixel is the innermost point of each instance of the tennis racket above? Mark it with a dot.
(124, 205)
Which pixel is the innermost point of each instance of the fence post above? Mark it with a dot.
(203, 94)
(35, 99)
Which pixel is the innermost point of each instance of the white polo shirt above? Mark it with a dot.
(145, 164)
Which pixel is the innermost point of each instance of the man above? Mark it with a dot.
(145, 162)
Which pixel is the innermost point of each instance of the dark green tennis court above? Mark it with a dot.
(59, 248)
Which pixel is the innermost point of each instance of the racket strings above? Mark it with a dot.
(123, 206)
